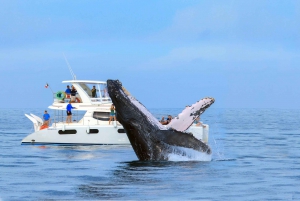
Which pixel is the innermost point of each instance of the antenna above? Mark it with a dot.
(70, 69)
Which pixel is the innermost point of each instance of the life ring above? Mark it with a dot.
(77, 100)
(43, 126)
(60, 95)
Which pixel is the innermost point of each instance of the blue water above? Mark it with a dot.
(256, 156)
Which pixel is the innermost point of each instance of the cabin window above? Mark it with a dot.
(103, 116)
(67, 131)
(121, 131)
(93, 131)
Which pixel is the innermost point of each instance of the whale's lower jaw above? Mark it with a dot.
(148, 138)
(151, 147)
(152, 144)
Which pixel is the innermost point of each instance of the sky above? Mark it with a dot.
(167, 53)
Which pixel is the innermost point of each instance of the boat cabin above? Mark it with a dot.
(88, 92)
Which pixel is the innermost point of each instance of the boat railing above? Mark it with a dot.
(59, 97)
(60, 116)
(61, 119)
(101, 100)
(86, 121)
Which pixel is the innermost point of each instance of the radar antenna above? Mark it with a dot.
(70, 69)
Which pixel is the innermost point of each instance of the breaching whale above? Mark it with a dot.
(149, 139)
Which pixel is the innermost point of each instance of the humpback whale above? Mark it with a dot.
(149, 139)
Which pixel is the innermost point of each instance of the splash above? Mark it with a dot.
(186, 154)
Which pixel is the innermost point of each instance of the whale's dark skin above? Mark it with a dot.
(148, 140)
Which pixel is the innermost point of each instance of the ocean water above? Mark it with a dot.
(256, 156)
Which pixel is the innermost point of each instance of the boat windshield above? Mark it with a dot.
(93, 92)
(97, 92)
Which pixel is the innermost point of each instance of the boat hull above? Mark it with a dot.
(106, 135)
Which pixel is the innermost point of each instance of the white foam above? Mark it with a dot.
(187, 154)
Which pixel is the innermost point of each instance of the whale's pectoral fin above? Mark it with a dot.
(176, 138)
(186, 118)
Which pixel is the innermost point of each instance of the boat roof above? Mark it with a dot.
(85, 81)
(84, 98)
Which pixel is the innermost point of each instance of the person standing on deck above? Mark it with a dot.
(112, 114)
(73, 94)
(46, 118)
(68, 92)
(69, 113)
(93, 92)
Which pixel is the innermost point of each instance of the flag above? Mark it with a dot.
(46, 86)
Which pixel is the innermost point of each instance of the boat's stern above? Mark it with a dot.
(37, 121)
(200, 132)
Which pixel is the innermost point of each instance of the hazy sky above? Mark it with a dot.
(245, 54)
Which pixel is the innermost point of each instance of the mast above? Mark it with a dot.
(70, 69)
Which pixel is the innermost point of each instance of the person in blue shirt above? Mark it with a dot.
(68, 92)
(69, 113)
(46, 118)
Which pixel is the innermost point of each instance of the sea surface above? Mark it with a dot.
(256, 156)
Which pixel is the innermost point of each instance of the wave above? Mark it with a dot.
(186, 154)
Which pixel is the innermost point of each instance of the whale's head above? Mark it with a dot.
(129, 110)
(115, 90)
(119, 99)
(137, 121)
